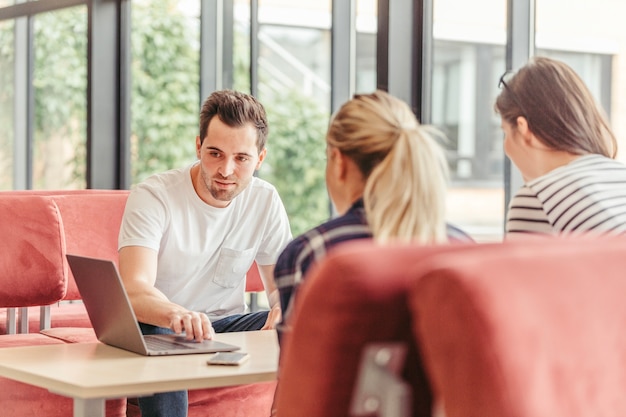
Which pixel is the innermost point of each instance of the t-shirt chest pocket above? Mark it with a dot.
(232, 266)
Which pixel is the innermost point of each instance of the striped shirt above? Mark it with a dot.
(586, 195)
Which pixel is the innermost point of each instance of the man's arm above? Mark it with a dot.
(267, 276)
(138, 266)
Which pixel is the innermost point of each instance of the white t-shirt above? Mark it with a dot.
(204, 252)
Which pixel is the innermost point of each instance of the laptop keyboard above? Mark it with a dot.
(154, 343)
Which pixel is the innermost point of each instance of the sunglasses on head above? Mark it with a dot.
(502, 83)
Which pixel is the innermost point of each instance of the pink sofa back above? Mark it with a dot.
(358, 295)
(522, 329)
(91, 226)
(91, 221)
(32, 248)
(527, 329)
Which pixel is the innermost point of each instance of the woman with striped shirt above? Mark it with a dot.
(559, 138)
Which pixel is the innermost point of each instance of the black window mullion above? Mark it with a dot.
(520, 46)
(23, 100)
(403, 62)
(216, 46)
(343, 59)
(125, 80)
(254, 47)
(103, 95)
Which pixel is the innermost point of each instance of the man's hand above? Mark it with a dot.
(196, 326)
(273, 318)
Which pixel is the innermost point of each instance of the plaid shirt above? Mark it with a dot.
(312, 246)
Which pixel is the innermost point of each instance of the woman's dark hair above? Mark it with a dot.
(558, 106)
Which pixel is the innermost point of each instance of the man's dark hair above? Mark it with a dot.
(235, 109)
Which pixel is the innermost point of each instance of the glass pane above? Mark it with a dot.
(7, 132)
(294, 86)
(241, 49)
(60, 88)
(165, 85)
(469, 57)
(366, 30)
(591, 40)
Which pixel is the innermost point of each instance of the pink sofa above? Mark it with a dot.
(33, 272)
(520, 329)
(38, 229)
(528, 329)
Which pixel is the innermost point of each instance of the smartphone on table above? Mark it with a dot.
(228, 358)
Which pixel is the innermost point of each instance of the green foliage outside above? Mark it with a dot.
(165, 106)
(296, 158)
(60, 97)
(165, 88)
(60, 90)
(6, 105)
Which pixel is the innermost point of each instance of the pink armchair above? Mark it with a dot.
(530, 328)
(525, 329)
(356, 297)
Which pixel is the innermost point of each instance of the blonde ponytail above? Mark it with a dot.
(404, 166)
(405, 196)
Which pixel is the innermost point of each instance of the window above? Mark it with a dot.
(366, 29)
(44, 103)
(590, 40)
(60, 95)
(468, 59)
(294, 86)
(7, 99)
(165, 45)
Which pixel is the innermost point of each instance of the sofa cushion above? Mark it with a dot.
(91, 221)
(32, 247)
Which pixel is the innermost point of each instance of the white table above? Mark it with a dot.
(92, 372)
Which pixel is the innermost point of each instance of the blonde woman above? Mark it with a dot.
(559, 138)
(387, 178)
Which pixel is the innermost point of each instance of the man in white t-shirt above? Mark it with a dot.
(189, 236)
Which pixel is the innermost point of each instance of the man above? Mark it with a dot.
(189, 236)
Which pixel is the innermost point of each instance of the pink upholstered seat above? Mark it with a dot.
(526, 329)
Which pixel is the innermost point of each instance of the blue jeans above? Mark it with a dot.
(175, 404)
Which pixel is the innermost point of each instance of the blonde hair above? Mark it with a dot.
(405, 168)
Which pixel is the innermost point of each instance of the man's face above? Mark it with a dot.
(228, 158)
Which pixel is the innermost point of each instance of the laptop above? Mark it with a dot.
(113, 318)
